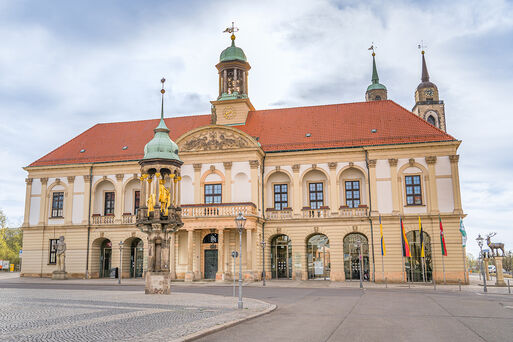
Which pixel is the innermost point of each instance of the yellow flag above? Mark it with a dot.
(421, 239)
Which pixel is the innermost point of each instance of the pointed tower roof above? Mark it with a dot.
(161, 146)
(425, 75)
(375, 79)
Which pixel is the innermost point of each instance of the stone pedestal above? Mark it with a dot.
(158, 283)
(498, 272)
(189, 276)
(59, 275)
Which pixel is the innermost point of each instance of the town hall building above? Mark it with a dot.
(314, 184)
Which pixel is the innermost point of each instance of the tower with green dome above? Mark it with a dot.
(232, 104)
(375, 91)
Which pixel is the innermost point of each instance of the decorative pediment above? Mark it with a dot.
(214, 137)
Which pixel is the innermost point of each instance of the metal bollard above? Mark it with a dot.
(509, 288)
(459, 284)
(386, 283)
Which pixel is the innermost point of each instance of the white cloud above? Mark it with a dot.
(62, 72)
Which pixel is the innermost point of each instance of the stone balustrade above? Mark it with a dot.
(98, 219)
(351, 212)
(215, 210)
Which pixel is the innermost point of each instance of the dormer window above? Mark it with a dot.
(431, 120)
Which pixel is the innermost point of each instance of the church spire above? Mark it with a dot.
(376, 91)
(425, 74)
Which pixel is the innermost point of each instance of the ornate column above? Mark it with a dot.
(456, 184)
(68, 203)
(43, 205)
(220, 254)
(297, 192)
(227, 191)
(395, 185)
(172, 256)
(196, 265)
(433, 193)
(119, 199)
(189, 276)
(373, 186)
(28, 199)
(254, 182)
(197, 183)
(87, 195)
(249, 253)
(334, 189)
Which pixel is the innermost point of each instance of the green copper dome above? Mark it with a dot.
(161, 146)
(375, 79)
(232, 53)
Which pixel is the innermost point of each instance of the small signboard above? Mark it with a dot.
(12, 268)
(318, 268)
(21, 251)
(6, 265)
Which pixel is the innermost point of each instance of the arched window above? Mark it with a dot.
(431, 119)
(352, 256)
(281, 257)
(377, 98)
(417, 268)
(319, 261)
(210, 238)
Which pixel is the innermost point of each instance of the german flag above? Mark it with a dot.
(442, 237)
(404, 240)
(383, 248)
(422, 255)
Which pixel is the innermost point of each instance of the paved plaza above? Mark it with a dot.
(36, 309)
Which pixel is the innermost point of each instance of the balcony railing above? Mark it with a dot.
(98, 219)
(128, 218)
(215, 210)
(273, 214)
(349, 212)
(316, 213)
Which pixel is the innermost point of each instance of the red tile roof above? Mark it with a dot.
(330, 126)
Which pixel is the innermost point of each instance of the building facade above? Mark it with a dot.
(311, 181)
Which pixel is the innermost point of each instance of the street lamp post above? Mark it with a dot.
(120, 260)
(240, 220)
(359, 246)
(479, 240)
(263, 261)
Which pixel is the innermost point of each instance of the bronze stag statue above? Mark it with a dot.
(494, 247)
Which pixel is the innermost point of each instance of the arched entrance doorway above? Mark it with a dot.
(210, 256)
(318, 253)
(352, 256)
(105, 258)
(281, 257)
(136, 258)
(413, 265)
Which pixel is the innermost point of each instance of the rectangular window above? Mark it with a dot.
(281, 198)
(316, 195)
(137, 200)
(413, 190)
(53, 251)
(213, 193)
(109, 203)
(353, 194)
(57, 204)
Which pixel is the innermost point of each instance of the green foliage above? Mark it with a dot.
(507, 262)
(10, 241)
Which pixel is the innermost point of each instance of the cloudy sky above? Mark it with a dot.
(67, 65)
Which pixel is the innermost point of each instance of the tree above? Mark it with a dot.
(507, 263)
(10, 241)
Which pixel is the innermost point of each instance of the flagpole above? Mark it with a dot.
(443, 266)
(465, 274)
(383, 266)
(423, 268)
(404, 272)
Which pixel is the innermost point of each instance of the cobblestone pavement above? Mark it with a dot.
(68, 315)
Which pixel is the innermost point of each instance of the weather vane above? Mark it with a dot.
(162, 81)
(232, 30)
(421, 46)
(373, 48)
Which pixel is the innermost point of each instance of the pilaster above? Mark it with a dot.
(28, 199)
(220, 255)
(334, 193)
(189, 276)
(373, 186)
(172, 255)
(254, 182)
(455, 177)
(87, 197)
(197, 185)
(395, 186)
(433, 193)
(43, 206)
(68, 202)
(227, 191)
(119, 199)
(297, 194)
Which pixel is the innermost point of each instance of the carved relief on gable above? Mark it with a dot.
(214, 139)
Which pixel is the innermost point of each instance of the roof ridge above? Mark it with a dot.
(172, 117)
(312, 106)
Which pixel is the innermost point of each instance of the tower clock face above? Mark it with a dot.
(429, 92)
(229, 113)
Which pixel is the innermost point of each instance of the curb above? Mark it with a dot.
(216, 328)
